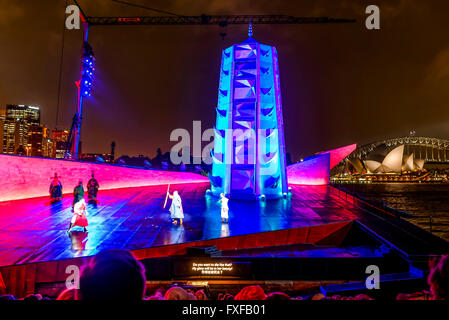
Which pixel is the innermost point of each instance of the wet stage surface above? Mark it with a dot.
(34, 230)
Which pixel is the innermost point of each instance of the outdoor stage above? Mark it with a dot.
(319, 232)
(34, 230)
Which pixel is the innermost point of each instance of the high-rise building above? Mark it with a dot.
(18, 120)
(34, 141)
(47, 144)
(112, 157)
(59, 139)
(249, 149)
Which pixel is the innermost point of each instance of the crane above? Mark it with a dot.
(84, 85)
(220, 20)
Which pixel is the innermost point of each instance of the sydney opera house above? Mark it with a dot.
(411, 158)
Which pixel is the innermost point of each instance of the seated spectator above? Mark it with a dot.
(318, 296)
(277, 296)
(156, 296)
(201, 295)
(113, 275)
(251, 293)
(225, 296)
(362, 296)
(438, 279)
(421, 295)
(178, 293)
(32, 297)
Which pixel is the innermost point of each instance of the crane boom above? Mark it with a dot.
(221, 20)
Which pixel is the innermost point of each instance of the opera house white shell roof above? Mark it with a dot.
(393, 162)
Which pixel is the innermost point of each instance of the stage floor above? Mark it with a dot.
(33, 230)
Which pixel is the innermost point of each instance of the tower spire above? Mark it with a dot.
(250, 28)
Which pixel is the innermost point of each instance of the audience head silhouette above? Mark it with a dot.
(113, 275)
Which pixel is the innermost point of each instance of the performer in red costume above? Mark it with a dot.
(79, 216)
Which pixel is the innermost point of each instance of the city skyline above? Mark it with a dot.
(18, 121)
(22, 133)
(386, 72)
(19, 136)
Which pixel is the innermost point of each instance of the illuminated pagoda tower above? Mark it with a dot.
(249, 150)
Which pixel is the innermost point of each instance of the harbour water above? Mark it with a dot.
(428, 202)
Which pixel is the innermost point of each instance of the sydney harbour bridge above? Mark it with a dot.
(428, 149)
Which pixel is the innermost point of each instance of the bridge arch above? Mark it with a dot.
(426, 148)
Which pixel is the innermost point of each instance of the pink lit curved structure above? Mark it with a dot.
(315, 170)
(28, 177)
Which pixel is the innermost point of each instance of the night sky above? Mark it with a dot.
(341, 83)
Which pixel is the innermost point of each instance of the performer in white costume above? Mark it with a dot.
(224, 208)
(176, 212)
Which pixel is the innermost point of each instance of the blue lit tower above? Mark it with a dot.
(249, 150)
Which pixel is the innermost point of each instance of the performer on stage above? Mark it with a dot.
(79, 216)
(176, 212)
(224, 208)
(55, 189)
(92, 189)
(78, 193)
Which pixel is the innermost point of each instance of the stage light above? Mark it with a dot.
(87, 71)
